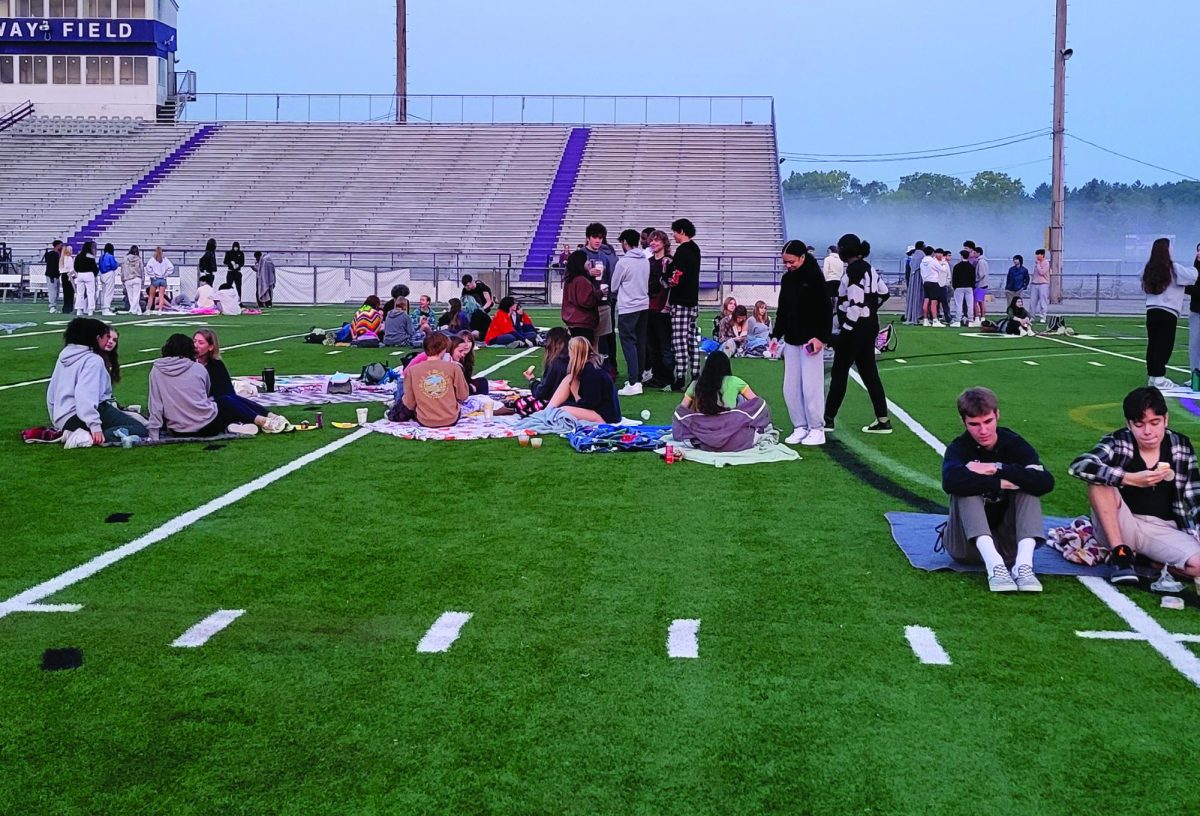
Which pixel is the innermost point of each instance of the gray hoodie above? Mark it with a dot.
(79, 384)
(631, 282)
(132, 269)
(179, 399)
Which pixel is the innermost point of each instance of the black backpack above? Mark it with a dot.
(374, 373)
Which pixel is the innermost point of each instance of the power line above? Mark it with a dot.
(1029, 133)
(1132, 159)
(804, 160)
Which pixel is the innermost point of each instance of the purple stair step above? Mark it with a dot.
(558, 198)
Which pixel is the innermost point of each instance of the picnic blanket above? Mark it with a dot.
(470, 426)
(916, 535)
(766, 449)
(310, 389)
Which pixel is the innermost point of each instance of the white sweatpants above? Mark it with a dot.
(85, 293)
(1039, 295)
(804, 387)
(108, 284)
(133, 293)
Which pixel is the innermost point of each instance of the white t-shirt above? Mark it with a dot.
(204, 297)
(833, 268)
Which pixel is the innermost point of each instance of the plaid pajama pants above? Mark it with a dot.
(685, 341)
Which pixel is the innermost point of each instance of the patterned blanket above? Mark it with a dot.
(471, 426)
(310, 389)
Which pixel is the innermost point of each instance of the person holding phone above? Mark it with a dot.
(804, 322)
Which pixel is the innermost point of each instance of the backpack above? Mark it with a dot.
(375, 373)
(343, 334)
(339, 384)
(315, 336)
(887, 339)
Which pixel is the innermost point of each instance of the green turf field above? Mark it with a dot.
(559, 695)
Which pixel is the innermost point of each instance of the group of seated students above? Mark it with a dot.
(191, 392)
(224, 299)
(397, 324)
(1143, 489)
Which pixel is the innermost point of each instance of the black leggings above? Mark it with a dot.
(856, 348)
(1160, 340)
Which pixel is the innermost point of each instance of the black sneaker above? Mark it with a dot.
(879, 426)
(828, 424)
(1121, 569)
(678, 386)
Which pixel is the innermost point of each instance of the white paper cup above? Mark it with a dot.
(536, 442)
(488, 411)
(362, 416)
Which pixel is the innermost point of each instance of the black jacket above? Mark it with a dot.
(86, 263)
(686, 292)
(235, 259)
(208, 264)
(805, 311)
(1018, 460)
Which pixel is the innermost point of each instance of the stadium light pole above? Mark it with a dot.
(401, 61)
(1058, 193)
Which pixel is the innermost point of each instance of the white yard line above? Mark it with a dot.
(508, 360)
(681, 638)
(50, 608)
(1133, 636)
(911, 367)
(925, 646)
(64, 323)
(151, 360)
(1130, 357)
(199, 634)
(45, 589)
(905, 417)
(444, 632)
(1144, 626)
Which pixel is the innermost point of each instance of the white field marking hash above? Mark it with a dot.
(1133, 636)
(1162, 641)
(28, 348)
(681, 638)
(1097, 365)
(966, 362)
(335, 351)
(925, 646)
(199, 634)
(1130, 357)
(272, 351)
(444, 632)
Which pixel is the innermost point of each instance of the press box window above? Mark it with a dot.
(100, 71)
(33, 71)
(102, 9)
(134, 71)
(131, 8)
(64, 8)
(4, 8)
(30, 8)
(67, 71)
(6, 71)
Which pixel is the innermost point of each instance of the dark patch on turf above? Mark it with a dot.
(118, 518)
(213, 447)
(60, 659)
(860, 469)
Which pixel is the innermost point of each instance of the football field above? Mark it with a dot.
(340, 621)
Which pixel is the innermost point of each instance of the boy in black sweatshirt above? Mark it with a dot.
(995, 481)
(962, 288)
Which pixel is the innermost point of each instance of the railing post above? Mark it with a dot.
(1096, 298)
(314, 297)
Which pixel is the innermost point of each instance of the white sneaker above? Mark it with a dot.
(937, 324)
(1162, 383)
(631, 390)
(1024, 578)
(647, 376)
(108, 313)
(796, 437)
(1001, 581)
(926, 322)
(53, 310)
(78, 438)
(275, 424)
(814, 437)
(242, 429)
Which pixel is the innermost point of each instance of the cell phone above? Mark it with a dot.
(810, 348)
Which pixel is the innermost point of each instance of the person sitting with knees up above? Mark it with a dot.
(462, 351)
(1019, 320)
(229, 302)
(206, 296)
(220, 386)
(435, 388)
(719, 412)
(455, 319)
(80, 399)
(1144, 489)
(179, 396)
(586, 392)
(995, 481)
(424, 319)
(554, 368)
(367, 323)
(511, 326)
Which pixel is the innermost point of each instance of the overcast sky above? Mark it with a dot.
(851, 76)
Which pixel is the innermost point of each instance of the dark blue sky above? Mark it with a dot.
(855, 76)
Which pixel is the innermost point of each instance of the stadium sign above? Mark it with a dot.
(100, 31)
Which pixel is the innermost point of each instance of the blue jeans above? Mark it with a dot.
(240, 407)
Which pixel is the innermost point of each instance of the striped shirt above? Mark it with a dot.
(861, 300)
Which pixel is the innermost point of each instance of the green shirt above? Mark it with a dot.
(730, 388)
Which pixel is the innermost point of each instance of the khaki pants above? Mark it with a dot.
(1157, 539)
(1022, 518)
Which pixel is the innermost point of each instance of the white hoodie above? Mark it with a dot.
(79, 384)
(631, 281)
(1171, 299)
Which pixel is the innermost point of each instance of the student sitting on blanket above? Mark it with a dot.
(397, 326)
(220, 386)
(228, 300)
(554, 368)
(1144, 488)
(706, 418)
(462, 351)
(435, 388)
(206, 296)
(511, 326)
(179, 396)
(586, 392)
(717, 389)
(424, 319)
(367, 323)
(995, 481)
(455, 319)
(79, 398)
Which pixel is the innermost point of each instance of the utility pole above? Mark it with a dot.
(1058, 193)
(401, 61)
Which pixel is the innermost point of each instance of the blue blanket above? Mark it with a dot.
(916, 534)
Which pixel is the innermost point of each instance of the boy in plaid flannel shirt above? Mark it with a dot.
(1144, 488)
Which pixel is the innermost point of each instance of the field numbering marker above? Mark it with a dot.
(925, 646)
(1030, 362)
(444, 632)
(681, 638)
(272, 351)
(199, 634)
(335, 351)
(28, 348)
(1144, 628)
(1098, 365)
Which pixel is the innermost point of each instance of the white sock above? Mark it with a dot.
(987, 548)
(1025, 552)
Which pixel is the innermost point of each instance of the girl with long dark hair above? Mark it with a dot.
(804, 322)
(1194, 320)
(86, 270)
(208, 261)
(454, 318)
(716, 390)
(1163, 281)
(581, 298)
(79, 398)
(860, 295)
